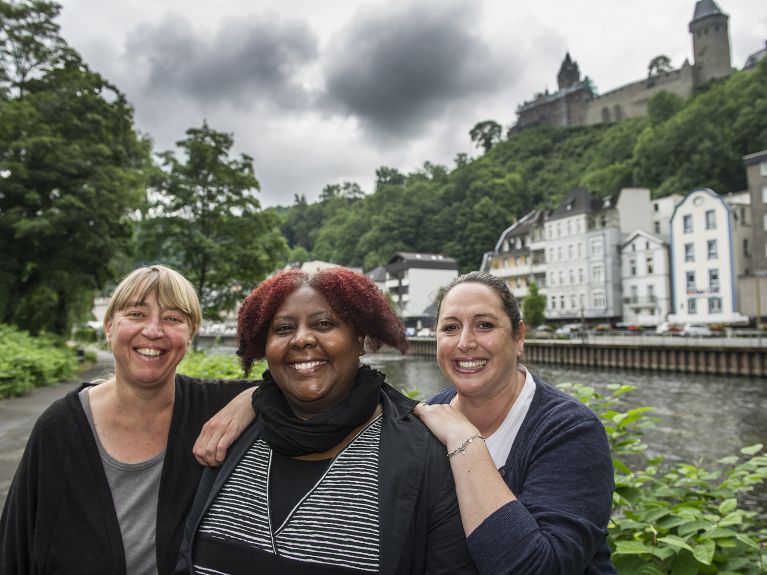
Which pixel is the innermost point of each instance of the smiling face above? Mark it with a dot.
(476, 349)
(312, 354)
(148, 342)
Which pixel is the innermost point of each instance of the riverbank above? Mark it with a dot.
(704, 355)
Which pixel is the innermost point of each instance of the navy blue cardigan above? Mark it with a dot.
(560, 469)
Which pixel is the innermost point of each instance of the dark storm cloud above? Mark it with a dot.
(398, 69)
(243, 62)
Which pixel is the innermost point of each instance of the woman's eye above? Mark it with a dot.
(486, 325)
(449, 327)
(282, 328)
(134, 314)
(324, 323)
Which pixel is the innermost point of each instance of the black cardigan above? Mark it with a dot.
(59, 516)
(419, 520)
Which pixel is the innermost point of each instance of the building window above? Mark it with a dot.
(764, 222)
(581, 279)
(599, 299)
(650, 267)
(713, 280)
(572, 277)
(596, 273)
(687, 224)
(570, 251)
(690, 277)
(714, 305)
(553, 302)
(633, 267)
(691, 307)
(689, 253)
(572, 302)
(656, 227)
(561, 279)
(763, 168)
(634, 294)
(710, 220)
(655, 206)
(562, 301)
(597, 247)
(764, 194)
(580, 250)
(711, 248)
(651, 294)
(746, 251)
(559, 254)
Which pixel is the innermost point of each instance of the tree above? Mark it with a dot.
(30, 44)
(486, 134)
(206, 220)
(72, 170)
(533, 307)
(658, 65)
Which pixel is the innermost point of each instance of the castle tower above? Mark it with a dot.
(710, 42)
(569, 73)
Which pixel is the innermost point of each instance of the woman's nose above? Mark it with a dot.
(153, 328)
(466, 340)
(303, 337)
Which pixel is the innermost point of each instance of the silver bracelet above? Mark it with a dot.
(462, 448)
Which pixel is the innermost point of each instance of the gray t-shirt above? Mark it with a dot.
(135, 487)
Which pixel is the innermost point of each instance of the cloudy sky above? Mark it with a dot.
(326, 91)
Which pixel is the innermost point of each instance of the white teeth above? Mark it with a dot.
(148, 351)
(472, 364)
(307, 365)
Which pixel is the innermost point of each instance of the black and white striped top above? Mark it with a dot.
(335, 524)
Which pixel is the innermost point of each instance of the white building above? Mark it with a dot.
(583, 238)
(413, 280)
(513, 260)
(662, 210)
(645, 279)
(709, 249)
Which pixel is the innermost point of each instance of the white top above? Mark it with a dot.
(500, 442)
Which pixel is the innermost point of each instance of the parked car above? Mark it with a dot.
(542, 331)
(667, 328)
(570, 329)
(697, 330)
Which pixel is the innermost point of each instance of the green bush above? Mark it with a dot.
(205, 366)
(677, 518)
(85, 334)
(26, 361)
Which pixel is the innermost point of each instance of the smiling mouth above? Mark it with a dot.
(471, 364)
(306, 365)
(149, 351)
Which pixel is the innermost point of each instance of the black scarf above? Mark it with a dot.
(292, 436)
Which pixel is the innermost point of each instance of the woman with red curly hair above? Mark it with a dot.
(336, 474)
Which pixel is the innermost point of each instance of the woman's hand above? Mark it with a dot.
(448, 424)
(223, 429)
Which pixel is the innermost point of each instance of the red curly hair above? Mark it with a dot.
(351, 295)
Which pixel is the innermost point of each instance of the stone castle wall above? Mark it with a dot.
(631, 100)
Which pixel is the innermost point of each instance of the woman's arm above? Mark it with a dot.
(558, 523)
(481, 490)
(223, 429)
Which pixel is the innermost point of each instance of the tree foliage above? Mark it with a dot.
(534, 307)
(71, 170)
(206, 220)
(486, 134)
(659, 65)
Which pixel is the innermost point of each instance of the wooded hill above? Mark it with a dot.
(460, 212)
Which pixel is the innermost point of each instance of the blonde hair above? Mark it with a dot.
(173, 292)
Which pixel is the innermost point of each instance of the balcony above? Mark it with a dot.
(642, 301)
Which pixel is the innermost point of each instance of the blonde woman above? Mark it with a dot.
(108, 475)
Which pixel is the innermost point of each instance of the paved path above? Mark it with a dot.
(18, 416)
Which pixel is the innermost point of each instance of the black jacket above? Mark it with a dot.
(419, 520)
(59, 516)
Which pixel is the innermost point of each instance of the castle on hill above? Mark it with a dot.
(577, 104)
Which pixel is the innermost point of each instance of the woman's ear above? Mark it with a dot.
(108, 331)
(361, 342)
(520, 341)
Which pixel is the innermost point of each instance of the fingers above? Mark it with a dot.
(206, 448)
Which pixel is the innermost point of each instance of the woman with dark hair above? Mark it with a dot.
(532, 466)
(335, 475)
